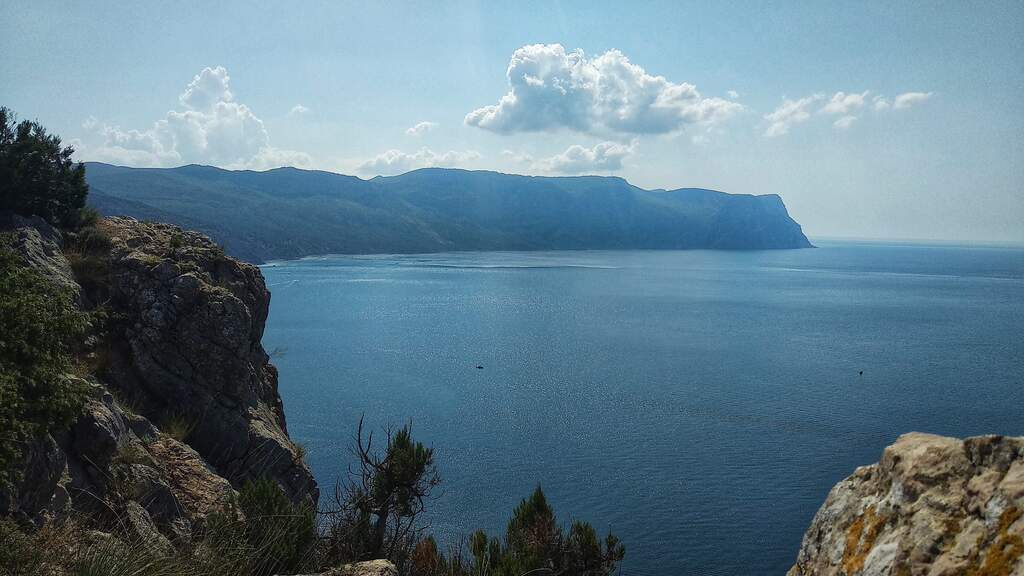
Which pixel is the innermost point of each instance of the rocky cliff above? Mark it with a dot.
(183, 406)
(932, 506)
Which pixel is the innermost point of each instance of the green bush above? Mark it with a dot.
(281, 535)
(39, 326)
(535, 543)
(38, 175)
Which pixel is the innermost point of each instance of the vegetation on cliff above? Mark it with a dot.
(141, 431)
(39, 328)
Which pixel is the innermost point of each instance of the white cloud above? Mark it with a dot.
(213, 129)
(881, 103)
(517, 157)
(550, 89)
(576, 159)
(421, 128)
(788, 113)
(908, 99)
(397, 162)
(206, 89)
(844, 122)
(298, 110)
(843, 103)
(732, 94)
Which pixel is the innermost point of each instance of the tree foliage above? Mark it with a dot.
(37, 175)
(535, 543)
(376, 512)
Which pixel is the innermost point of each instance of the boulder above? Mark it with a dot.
(368, 568)
(932, 506)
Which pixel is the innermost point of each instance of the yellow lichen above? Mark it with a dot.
(860, 538)
(1005, 551)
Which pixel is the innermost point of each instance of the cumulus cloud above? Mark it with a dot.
(602, 157)
(550, 89)
(517, 157)
(901, 101)
(421, 128)
(843, 103)
(844, 122)
(847, 106)
(397, 162)
(908, 99)
(206, 89)
(212, 129)
(733, 94)
(788, 113)
(298, 110)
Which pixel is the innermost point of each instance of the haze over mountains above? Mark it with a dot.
(290, 213)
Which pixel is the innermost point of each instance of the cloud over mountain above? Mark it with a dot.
(602, 157)
(551, 89)
(393, 162)
(212, 128)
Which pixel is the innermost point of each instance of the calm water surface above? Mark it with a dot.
(700, 404)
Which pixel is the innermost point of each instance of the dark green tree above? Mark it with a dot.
(536, 544)
(37, 175)
(377, 511)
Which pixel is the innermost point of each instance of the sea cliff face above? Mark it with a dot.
(184, 408)
(932, 506)
(289, 213)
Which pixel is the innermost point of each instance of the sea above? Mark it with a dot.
(698, 404)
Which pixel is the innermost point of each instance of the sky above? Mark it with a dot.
(891, 120)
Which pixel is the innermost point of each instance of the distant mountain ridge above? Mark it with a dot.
(290, 213)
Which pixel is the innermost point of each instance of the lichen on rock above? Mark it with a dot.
(933, 505)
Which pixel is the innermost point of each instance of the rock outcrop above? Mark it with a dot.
(185, 407)
(932, 506)
(39, 245)
(191, 351)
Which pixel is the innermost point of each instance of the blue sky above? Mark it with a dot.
(871, 120)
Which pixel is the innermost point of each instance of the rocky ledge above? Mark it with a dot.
(932, 506)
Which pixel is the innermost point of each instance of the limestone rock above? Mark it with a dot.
(191, 351)
(368, 568)
(39, 245)
(932, 506)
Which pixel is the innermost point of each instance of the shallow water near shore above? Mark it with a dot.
(700, 404)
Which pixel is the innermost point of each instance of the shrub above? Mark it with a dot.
(38, 174)
(177, 426)
(39, 326)
(282, 536)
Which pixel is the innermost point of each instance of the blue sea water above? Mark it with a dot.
(700, 404)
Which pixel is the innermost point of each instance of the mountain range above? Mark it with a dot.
(290, 213)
